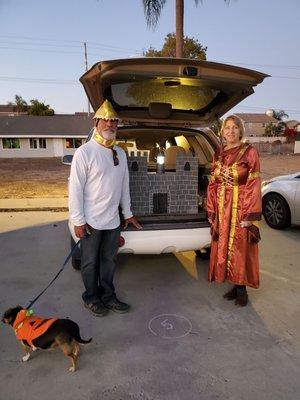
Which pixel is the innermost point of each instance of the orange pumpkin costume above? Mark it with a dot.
(234, 195)
(29, 327)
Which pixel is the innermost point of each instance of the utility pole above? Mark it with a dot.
(86, 68)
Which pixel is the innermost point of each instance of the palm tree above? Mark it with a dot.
(280, 114)
(153, 9)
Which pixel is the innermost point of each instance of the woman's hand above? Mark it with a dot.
(245, 224)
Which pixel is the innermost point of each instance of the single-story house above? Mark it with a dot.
(255, 124)
(10, 109)
(34, 136)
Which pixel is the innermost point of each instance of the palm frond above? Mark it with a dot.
(152, 10)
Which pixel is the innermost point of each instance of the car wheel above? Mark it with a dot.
(276, 211)
(76, 259)
(204, 254)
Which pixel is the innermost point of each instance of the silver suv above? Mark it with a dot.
(165, 106)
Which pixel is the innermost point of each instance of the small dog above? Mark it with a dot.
(41, 333)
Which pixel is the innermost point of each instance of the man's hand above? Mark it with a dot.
(81, 231)
(133, 221)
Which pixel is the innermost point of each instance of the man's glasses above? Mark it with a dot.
(115, 157)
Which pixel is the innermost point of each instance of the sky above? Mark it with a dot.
(42, 51)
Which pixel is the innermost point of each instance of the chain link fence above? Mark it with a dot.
(275, 147)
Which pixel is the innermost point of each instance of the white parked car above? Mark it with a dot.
(281, 201)
(165, 106)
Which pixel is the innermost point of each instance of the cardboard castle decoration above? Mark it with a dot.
(168, 193)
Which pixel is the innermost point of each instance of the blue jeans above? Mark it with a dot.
(98, 264)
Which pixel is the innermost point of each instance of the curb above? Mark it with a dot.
(19, 209)
(35, 204)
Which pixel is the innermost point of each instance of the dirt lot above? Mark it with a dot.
(47, 177)
(33, 177)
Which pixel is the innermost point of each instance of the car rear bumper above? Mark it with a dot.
(163, 241)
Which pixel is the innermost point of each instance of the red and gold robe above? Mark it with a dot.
(234, 195)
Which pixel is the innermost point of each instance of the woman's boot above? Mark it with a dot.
(242, 296)
(231, 295)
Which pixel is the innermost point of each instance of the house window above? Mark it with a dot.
(36, 143)
(33, 143)
(43, 143)
(72, 143)
(11, 143)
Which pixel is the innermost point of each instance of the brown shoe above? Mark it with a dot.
(231, 295)
(242, 299)
(97, 309)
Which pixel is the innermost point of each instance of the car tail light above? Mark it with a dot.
(121, 241)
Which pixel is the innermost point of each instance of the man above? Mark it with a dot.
(99, 183)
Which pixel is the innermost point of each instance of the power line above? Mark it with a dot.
(103, 48)
(285, 77)
(41, 50)
(40, 44)
(60, 52)
(262, 65)
(37, 80)
(97, 54)
(79, 43)
(267, 107)
(119, 48)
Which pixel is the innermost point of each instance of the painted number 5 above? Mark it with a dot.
(167, 324)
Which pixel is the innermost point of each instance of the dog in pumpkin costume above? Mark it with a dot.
(41, 333)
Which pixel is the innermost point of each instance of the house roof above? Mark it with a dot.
(256, 118)
(9, 109)
(52, 126)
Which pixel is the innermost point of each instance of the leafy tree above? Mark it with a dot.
(35, 107)
(278, 129)
(153, 9)
(20, 104)
(191, 48)
(39, 108)
(272, 129)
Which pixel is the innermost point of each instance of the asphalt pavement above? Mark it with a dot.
(181, 339)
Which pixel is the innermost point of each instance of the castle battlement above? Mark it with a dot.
(173, 192)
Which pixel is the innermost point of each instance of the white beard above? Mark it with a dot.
(109, 134)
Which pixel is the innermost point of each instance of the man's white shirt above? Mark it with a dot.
(97, 187)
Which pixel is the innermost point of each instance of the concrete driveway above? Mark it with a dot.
(180, 341)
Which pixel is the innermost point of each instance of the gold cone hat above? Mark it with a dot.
(106, 111)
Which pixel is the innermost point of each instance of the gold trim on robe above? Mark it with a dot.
(233, 196)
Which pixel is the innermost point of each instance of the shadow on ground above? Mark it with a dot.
(230, 353)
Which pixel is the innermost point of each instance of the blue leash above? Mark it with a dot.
(56, 276)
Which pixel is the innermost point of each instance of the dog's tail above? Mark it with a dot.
(80, 340)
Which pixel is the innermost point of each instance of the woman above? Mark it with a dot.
(234, 208)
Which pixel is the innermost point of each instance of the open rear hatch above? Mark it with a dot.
(168, 91)
(173, 93)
